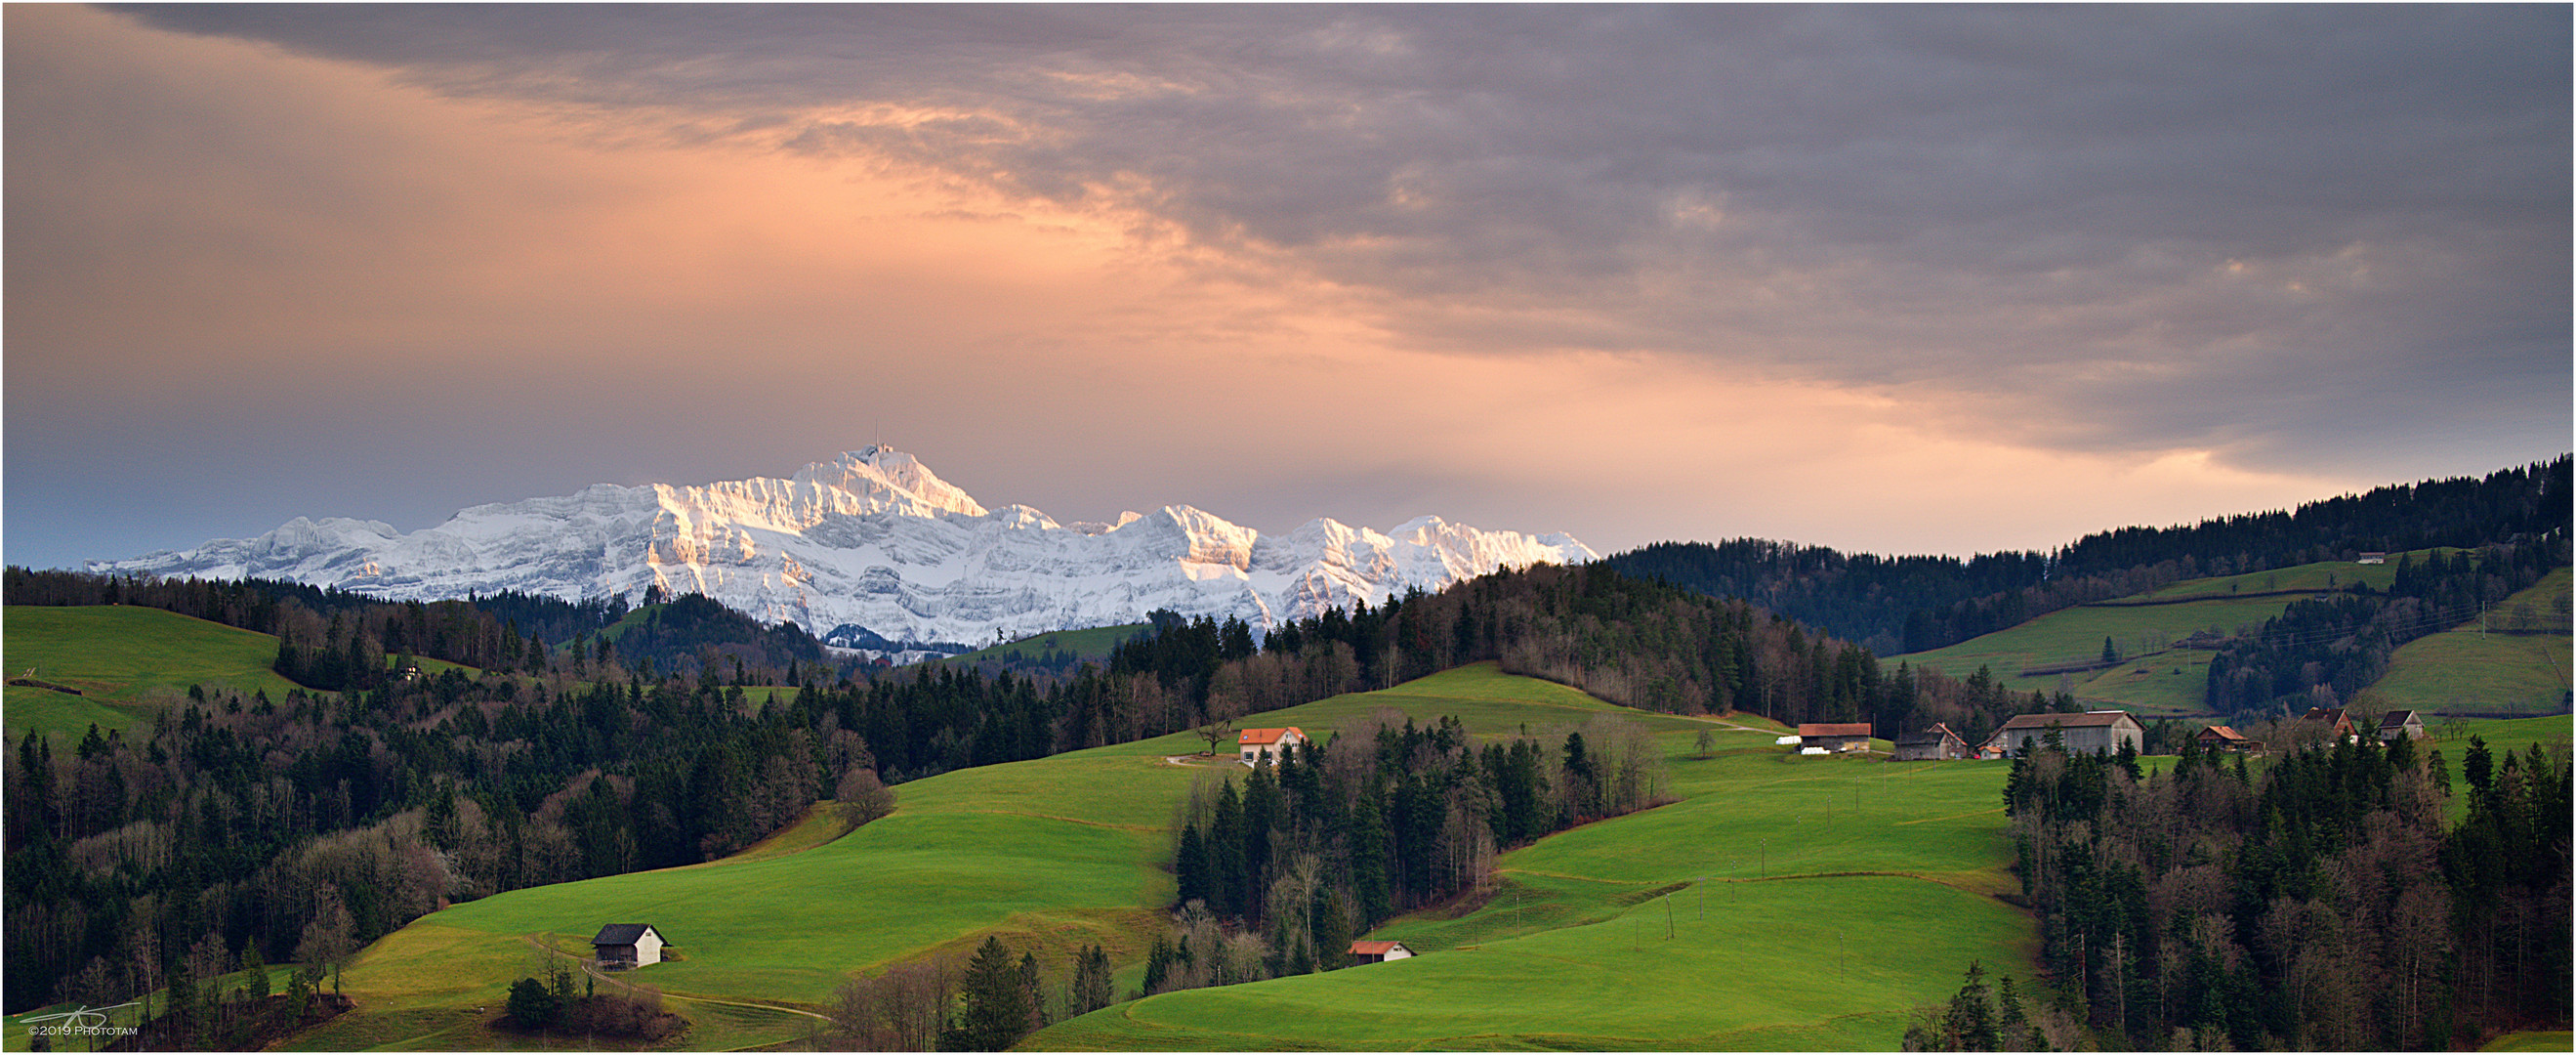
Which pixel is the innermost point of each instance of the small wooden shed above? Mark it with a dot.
(627, 945)
(1378, 951)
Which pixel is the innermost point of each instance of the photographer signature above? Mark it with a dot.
(83, 1016)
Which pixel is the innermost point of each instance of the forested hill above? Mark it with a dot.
(1909, 604)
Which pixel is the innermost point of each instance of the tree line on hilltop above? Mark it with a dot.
(1913, 604)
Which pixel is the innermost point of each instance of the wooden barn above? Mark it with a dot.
(2408, 724)
(1834, 736)
(2227, 740)
(2092, 732)
(1264, 745)
(1936, 744)
(626, 945)
(1378, 951)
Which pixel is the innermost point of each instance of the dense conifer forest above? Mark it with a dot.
(1382, 819)
(2318, 901)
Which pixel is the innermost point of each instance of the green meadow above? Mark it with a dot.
(129, 662)
(2172, 681)
(2553, 732)
(1756, 913)
(1093, 643)
(1071, 850)
(1795, 964)
(2540, 1040)
(2467, 670)
(2160, 681)
(1050, 854)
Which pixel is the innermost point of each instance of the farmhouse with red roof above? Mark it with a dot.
(1264, 745)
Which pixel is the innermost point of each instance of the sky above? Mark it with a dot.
(1908, 279)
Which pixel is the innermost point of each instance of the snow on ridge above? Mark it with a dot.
(872, 539)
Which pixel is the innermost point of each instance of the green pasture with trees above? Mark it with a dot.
(1070, 852)
(2154, 677)
(1787, 876)
(128, 662)
(2514, 659)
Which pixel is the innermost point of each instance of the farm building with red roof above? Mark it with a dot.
(1264, 745)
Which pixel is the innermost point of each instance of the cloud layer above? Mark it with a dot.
(1639, 273)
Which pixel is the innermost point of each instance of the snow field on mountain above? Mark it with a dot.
(873, 539)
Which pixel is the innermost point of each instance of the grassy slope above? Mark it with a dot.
(1571, 952)
(2463, 670)
(1093, 643)
(2531, 1041)
(2173, 682)
(1055, 853)
(128, 661)
(2516, 671)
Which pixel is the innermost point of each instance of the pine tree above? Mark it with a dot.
(1227, 883)
(994, 1010)
(1971, 1021)
(1191, 867)
(1368, 862)
(1158, 965)
(1092, 985)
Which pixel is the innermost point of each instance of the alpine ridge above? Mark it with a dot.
(870, 550)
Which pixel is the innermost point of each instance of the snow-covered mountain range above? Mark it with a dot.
(871, 545)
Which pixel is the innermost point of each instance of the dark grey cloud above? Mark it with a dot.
(2322, 236)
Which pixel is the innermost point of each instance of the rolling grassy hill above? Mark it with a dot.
(1070, 850)
(2174, 681)
(2465, 670)
(1783, 882)
(128, 662)
(1064, 851)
